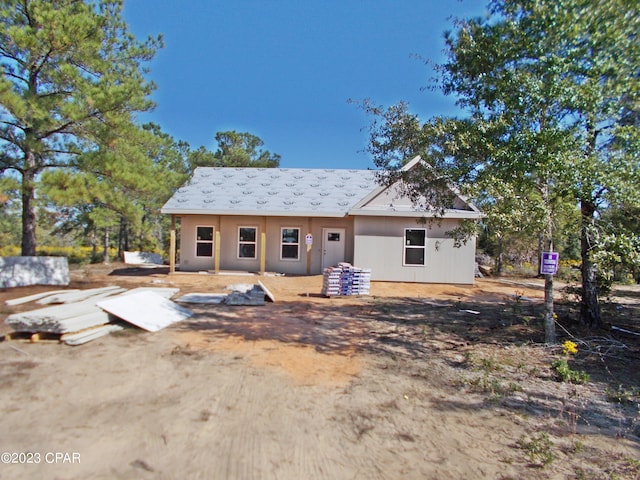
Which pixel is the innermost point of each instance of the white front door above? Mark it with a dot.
(332, 246)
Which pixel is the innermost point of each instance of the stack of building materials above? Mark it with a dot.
(254, 295)
(241, 294)
(345, 279)
(77, 316)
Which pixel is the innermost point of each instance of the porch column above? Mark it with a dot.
(263, 246)
(216, 258)
(172, 246)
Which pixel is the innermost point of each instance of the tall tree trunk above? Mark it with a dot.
(123, 238)
(589, 306)
(499, 255)
(106, 245)
(549, 316)
(94, 246)
(28, 207)
(540, 250)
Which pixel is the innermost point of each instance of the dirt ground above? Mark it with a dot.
(413, 381)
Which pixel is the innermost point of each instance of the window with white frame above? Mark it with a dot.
(204, 241)
(415, 246)
(247, 242)
(289, 244)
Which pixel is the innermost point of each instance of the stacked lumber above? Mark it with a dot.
(345, 279)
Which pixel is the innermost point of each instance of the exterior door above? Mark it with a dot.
(333, 242)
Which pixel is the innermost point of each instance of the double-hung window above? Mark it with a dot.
(204, 241)
(289, 244)
(415, 246)
(247, 242)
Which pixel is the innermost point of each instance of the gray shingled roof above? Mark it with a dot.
(272, 191)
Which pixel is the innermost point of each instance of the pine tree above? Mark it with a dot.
(71, 81)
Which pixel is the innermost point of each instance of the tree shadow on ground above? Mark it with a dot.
(418, 330)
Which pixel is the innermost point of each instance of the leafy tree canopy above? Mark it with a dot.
(550, 91)
(236, 149)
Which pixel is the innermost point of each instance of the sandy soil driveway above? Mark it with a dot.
(401, 384)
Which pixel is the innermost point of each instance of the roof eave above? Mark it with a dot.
(253, 213)
(455, 214)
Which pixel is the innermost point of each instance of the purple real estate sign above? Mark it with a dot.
(549, 263)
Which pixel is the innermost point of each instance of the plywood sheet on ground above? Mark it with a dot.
(146, 310)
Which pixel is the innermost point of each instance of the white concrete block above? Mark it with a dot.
(24, 271)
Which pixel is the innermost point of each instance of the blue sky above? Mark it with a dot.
(284, 70)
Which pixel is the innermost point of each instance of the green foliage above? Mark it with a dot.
(538, 448)
(617, 245)
(9, 211)
(236, 149)
(76, 255)
(564, 373)
(550, 92)
(623, 395)
(71, 80)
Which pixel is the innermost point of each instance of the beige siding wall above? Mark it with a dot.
(228, 226)
(379, 245)
(188, 260)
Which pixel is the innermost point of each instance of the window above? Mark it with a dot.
(415, 242)
(247, 242)
(290, 244)
(204, 241)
